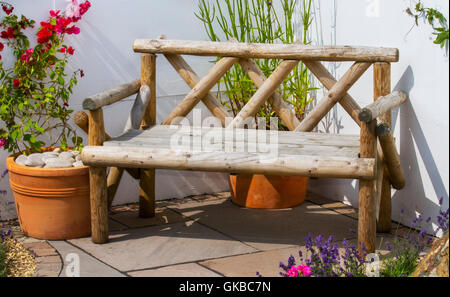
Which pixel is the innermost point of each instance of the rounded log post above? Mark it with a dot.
(147, 176)
(97, 180)
(391, 156)
(382, 87)
(367, 200)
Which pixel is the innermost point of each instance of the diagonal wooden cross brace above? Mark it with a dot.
(282, 109)
(201, 89)
(328, 81)
(192, 79)
(266, 89)
(336, 92)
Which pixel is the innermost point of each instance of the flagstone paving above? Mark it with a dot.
(206, 236)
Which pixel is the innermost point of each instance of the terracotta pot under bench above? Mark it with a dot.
(51, 203)
(267, 191)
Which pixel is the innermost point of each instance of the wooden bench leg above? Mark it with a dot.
(367, 220)
(99, 204)
(382, 87)
(147, 194)
(147, 177)
(97, 181)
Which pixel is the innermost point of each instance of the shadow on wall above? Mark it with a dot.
(411, 137)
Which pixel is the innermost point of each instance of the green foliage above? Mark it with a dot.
(35, 90)
(434, 18)
(257, 21)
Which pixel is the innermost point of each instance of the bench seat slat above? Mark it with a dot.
(307, 154)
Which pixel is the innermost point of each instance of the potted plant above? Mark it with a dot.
(258, 22)
(50, 185)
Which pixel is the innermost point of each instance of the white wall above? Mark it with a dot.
(420, 125)
(104, 52)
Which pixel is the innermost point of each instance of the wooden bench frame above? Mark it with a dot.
(374, 194)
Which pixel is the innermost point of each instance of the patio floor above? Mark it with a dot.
(208, 235)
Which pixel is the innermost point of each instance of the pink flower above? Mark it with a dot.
(27, 55)
(300, 270)
(73, 9)
(305, 270)
(293, 272)
(3, 142)
(53, 13)
(73, 30)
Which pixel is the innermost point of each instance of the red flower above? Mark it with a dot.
(16, 82)
(7, 8)
(61, 24)
(44, 35)
(73, 30)
(27, 55)
(9, 33)
(1, 46)
(81, 72)
(54, 13)
(71, 50)
(62, 50)
(3, 142)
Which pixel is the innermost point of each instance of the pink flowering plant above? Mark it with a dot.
(35, 87)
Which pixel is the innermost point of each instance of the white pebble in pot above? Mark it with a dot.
(21, 160)
(35, 160)
(66, 155)
(49, 155)
(78, 164)
(58, 163)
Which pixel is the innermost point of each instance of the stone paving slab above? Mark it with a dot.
(156, 246)
(268, 229)
(180, 270)
(89, 266)
(342, 209)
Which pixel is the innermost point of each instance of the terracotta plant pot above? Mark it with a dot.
(51, 203)
(267, 191)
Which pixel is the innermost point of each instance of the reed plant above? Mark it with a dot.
(259, 21)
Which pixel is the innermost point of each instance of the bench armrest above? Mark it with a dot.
(381, 105)
(112, 95)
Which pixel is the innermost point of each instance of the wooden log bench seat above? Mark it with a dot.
(297, 153)
(371, 157)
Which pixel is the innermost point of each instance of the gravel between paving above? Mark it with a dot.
(20, 261)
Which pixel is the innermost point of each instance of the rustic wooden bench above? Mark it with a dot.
(144, 145)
